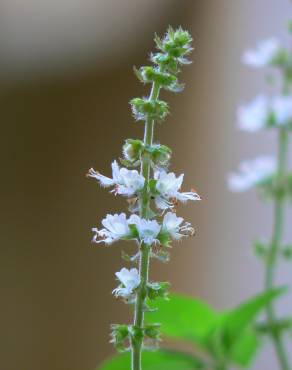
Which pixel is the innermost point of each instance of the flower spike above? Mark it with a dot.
(151, 230)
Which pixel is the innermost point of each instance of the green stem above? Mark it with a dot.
(144, 248)
(274, 250)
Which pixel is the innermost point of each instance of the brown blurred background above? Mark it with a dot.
(66, 79)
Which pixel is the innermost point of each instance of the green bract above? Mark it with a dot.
(144, 109)
(150, 74)
(175, 43)
(157, 290)
(133, 149)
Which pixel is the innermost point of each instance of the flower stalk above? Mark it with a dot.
(144, 248)
(273, 252)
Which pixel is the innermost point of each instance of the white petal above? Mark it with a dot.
(252, 173)
(282, 109)
(253, 116)
(185, 196)
(103, 180)
(263, 54)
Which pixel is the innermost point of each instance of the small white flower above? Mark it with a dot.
(281, 107)
(129, 279)
(252, 173)
(263, 54)
(253, 116)
(115, 227)
(147, 229)
(168, 186)
(126, 182)
(174, 226)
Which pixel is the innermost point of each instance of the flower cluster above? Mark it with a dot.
(164, 187)
(118, 227)
(264, 112)
(252, 173)
(265, 53)
(152, 192)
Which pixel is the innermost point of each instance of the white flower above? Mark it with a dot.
(259, 112)
(174, 226)
(115, 227)
(126, 182)
(168, 186)
(252, 173)
(281, 107)
(129, 279)
(253, 116)
(147, 229)
(263, 54)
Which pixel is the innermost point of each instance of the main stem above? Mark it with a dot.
(274, 251)
(144, 248)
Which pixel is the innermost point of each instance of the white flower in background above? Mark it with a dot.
(174, 226)
(129, 279)
(253, 116)
(252, 173)
(281, 107)
(263, 55)
(115, 227)
(126, 182)
(168, 186)
(257, 114)
(147, 229)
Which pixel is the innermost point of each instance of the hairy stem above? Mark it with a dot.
(274, 251)
(144, 248)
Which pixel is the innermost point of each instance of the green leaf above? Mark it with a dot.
(158, 360)
(244, 314)
(183, 318)
(225, 335)
(238, 341)
(245, 348)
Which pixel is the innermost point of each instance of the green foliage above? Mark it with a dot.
(158, 360)
(227, 337)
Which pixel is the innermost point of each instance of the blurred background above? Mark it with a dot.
(66, 79)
